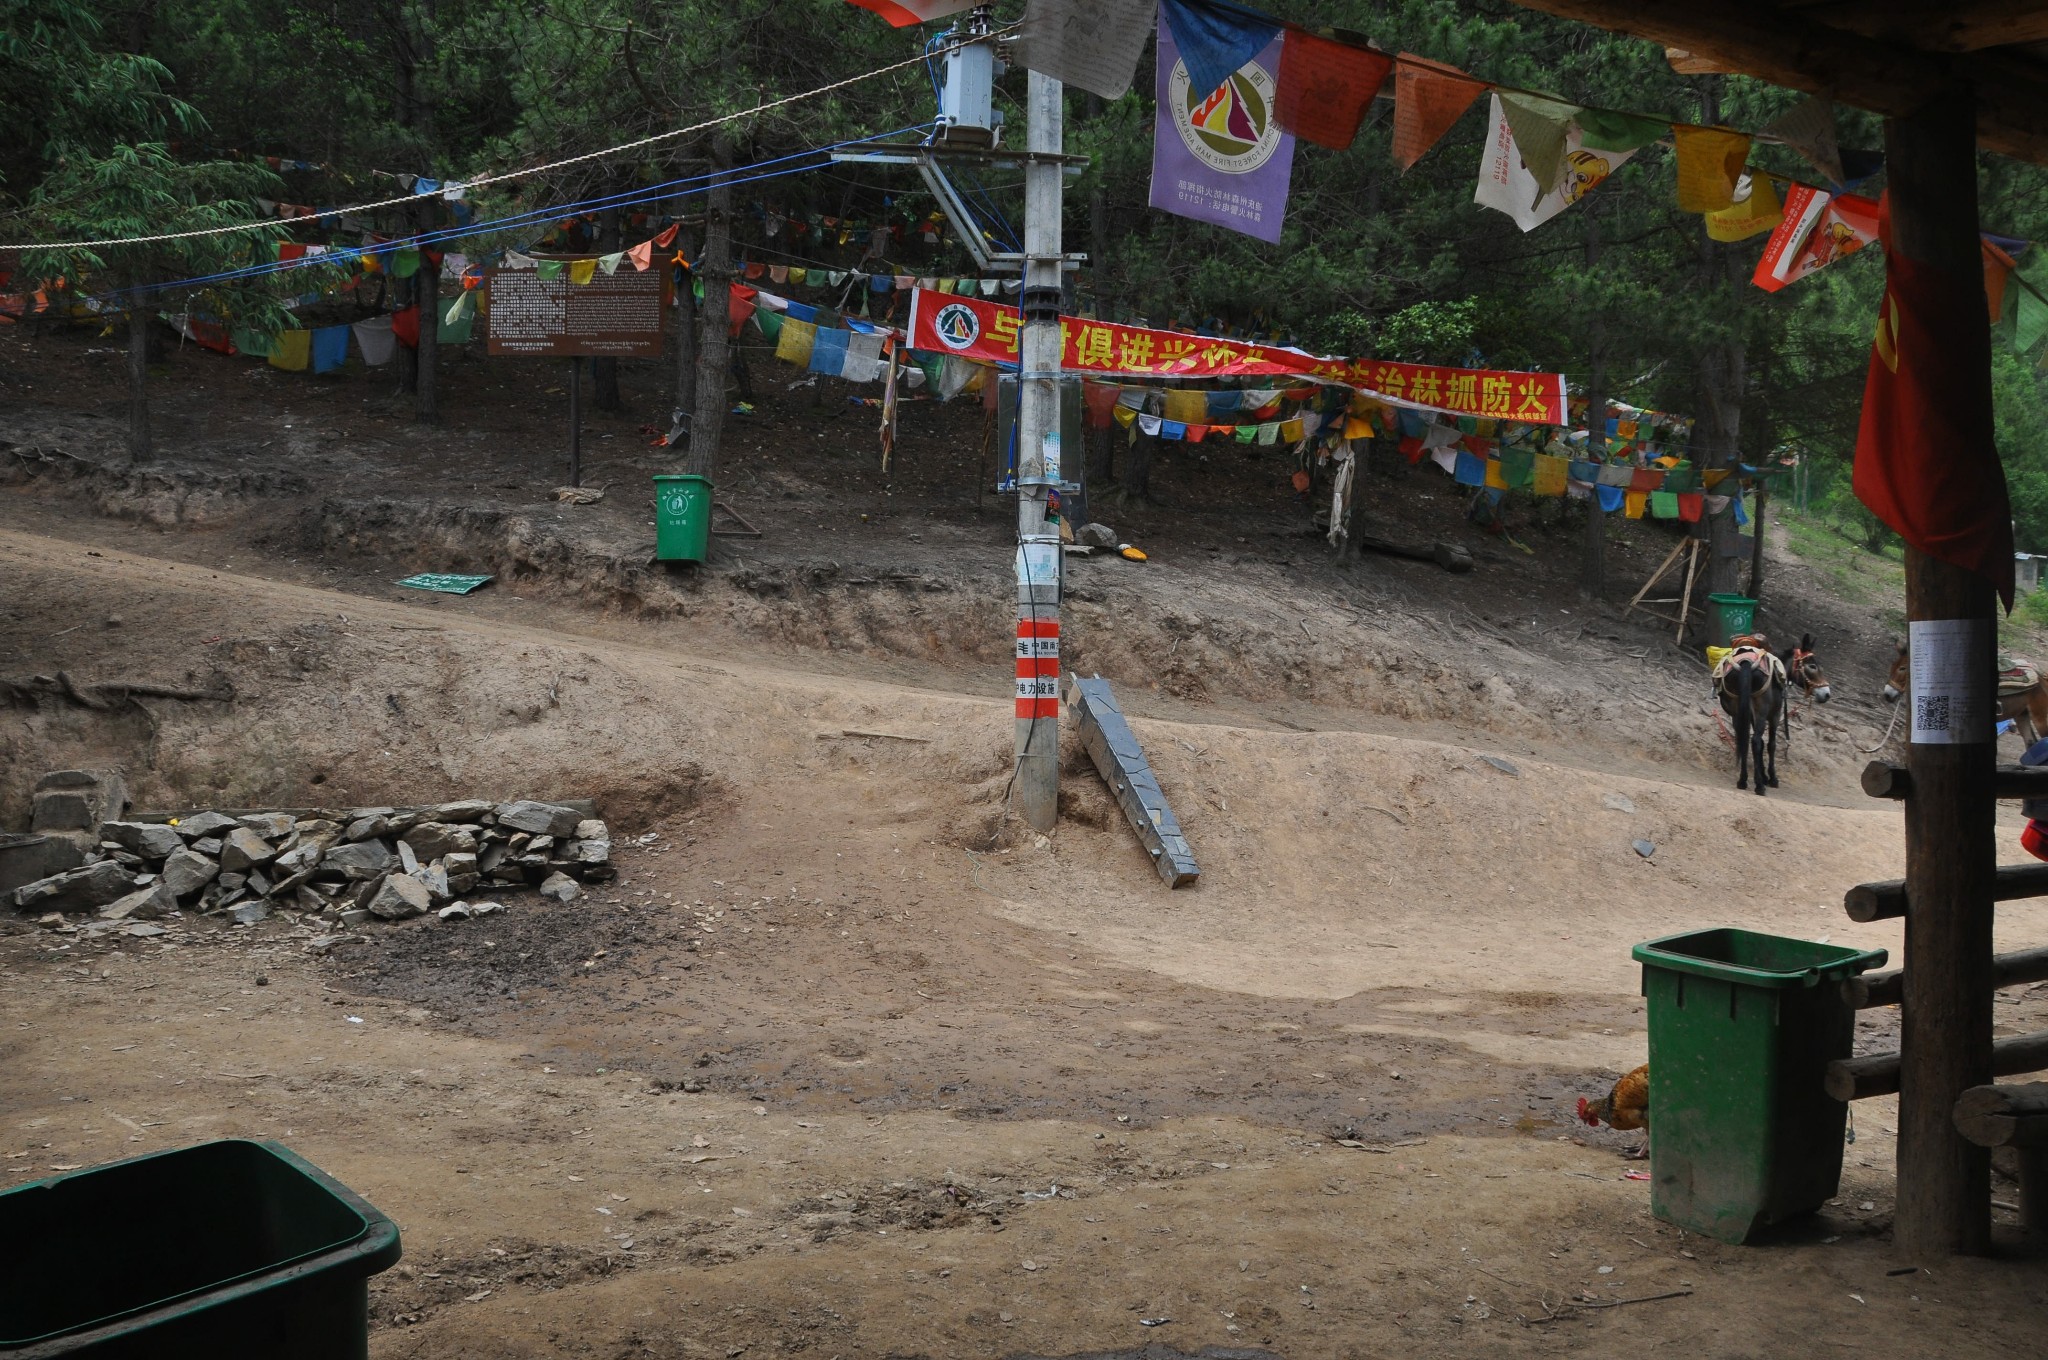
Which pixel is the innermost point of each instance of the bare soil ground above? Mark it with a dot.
(844, 1065)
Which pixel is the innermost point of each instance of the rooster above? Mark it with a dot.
(1627, 1106)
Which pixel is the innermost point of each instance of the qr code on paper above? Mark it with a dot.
(1930, 713)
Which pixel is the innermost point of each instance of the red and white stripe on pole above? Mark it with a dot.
(1038, 665)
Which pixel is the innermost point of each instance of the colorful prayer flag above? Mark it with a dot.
(1326, 87)
(1541, 126)
(1213, 42)
(904, 13)
(1754, 211)
(1093, 45)
(1428, 98)
(1817, 230)
(1507, 185)
(1710, 161)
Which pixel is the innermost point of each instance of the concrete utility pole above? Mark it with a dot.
(1036, 788)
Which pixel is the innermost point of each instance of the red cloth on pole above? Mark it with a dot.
(1326, 87)
(1926, 463)
(405, 325)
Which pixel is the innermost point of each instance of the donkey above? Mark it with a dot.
(2024, 703)
(1750, 683)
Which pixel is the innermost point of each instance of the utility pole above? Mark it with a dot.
(1036, 787)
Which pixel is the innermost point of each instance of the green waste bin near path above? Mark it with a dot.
(682, 517)
(1742, 1029)
(1731, 616)
(225, 1249)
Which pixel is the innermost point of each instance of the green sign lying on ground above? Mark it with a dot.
(444, 582)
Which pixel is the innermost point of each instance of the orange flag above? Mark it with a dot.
(1997, 265)
(667, 237)
(1325, 87)
(1428, 98)
(642, 255)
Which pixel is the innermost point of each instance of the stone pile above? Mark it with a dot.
(345, 866)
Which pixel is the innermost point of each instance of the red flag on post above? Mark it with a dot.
(1926, 463)
(1325, 87)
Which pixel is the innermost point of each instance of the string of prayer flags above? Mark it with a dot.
(1214, 43)
(1428, 97)
(1755, 210)
(1094, 45)
(1326, 87)
(1710, 161)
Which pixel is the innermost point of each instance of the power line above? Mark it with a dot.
(648, 195)
(526, 173)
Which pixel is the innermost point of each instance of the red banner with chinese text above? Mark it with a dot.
(986, 332)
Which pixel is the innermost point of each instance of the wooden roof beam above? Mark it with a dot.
(1965, 26)
(1786, 48)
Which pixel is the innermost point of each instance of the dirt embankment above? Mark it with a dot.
(1295, 640)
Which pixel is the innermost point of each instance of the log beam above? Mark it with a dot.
(1877, 1074)
(1882, 779)
(1786, 48)
(1887, 901)
(1888, 989)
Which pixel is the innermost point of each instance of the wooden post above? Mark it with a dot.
(1944, 1181)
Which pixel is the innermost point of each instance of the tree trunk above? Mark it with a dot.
(427, 288)
(1136, 487)
(707, 425)
(139, 443)
(686, 355)
(1723, 376)
(1593, 561)
(604, 370)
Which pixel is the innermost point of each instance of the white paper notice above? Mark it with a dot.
(1952, 681)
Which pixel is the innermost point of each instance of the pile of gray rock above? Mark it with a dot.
(344, 865)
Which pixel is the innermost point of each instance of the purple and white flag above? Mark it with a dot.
(1221, 157)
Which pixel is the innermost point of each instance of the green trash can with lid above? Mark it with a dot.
(1742, 1028)
(1732, 616)
(682, 517)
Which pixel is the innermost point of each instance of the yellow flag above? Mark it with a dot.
(1710, 161)
(1756, 210)
(793, 346)
(581, 270)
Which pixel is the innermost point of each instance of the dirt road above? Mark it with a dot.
(840, 1066)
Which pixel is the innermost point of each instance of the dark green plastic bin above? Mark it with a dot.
(1730, 616)
(682, 517)
(230, 1250)
(1742, 1029)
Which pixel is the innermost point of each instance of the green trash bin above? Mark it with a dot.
(1742, 1029)
(1733, 615)
(226, 1249)
(682, 517)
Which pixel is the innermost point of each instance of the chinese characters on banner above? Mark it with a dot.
(986, 332)
(1221, 157)
(1816, 231)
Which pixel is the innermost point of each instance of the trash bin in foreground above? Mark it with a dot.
(231, 1250)
(1742, 1028)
